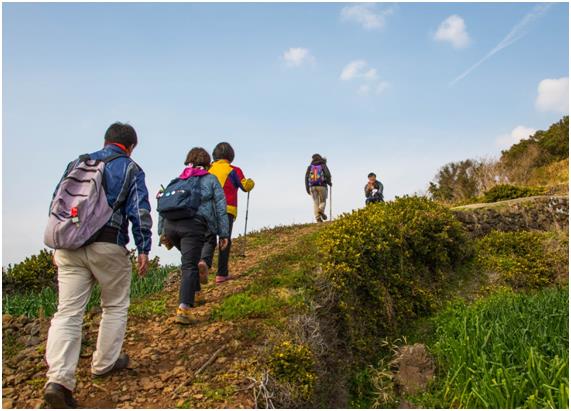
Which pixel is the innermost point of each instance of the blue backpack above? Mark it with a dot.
(316, 175)
(180, 199)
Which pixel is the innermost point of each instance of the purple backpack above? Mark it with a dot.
(79, 208)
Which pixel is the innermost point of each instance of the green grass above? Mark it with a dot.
(282, 282)
(144, 307)
(509, 350)
(30, 304)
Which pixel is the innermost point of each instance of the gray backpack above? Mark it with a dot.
(79, 209)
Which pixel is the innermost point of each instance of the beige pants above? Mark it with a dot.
(319, 195)
(78, 270)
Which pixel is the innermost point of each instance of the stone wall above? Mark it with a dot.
(531, 213)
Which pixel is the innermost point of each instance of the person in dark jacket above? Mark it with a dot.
(373, 190)
(104, 261)
(317, 178)
(190, 235)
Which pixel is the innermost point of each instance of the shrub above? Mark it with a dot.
(508, 192)
(33, 274)
(388, 263)
(523, 259)
(293, 364)
(505, 351)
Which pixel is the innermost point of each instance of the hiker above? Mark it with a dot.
(189, 234)
(317, 178)
(90, 212)
(373, 190)
(231, 178)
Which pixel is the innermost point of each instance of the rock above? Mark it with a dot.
(147, 384)
(415, 368)
(32, 341)
(159, 385)
(124, 398)
(6, 318)
(36, 404)
(198, 396)
(7, 402)
(155, 357)
(133, 365)
(180, 403)
(180, 370)
(7, 392)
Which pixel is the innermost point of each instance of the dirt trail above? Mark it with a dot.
(198, 366)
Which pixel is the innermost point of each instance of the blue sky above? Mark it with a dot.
(370, 86)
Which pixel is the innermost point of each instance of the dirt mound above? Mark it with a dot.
(414, 368)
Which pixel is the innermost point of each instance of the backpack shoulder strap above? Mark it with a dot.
(113, 157)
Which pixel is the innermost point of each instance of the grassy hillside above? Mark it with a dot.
(323, 315)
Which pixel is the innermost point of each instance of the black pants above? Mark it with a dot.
(223, 256)
(188, 236)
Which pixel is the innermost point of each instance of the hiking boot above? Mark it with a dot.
(323, 216)
(59, 397)
(121, 364)
(183, 316)
(223, 278)
(203, 272)
(199, 298)
(318, 219)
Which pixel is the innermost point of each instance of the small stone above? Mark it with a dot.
(180, 403)
(36, 404)
(6, 318)
(32, 341)
(7, 402)
(179, 370)
(155, 357)
(7, 392)
(124, 388)
(124, 398)
(198, 396)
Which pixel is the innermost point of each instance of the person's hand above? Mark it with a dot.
(164, 240)
(142, 264)
(223, 244)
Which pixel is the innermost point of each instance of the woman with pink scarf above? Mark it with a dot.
(188, 235)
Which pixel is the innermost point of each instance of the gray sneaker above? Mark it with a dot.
(121, 363)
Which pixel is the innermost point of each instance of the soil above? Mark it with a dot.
(205, 365)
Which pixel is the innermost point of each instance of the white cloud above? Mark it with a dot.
(517, 32)
(453, 30)
(353, 70)
(553, 95)
(297, 56)
(366, 15)
(517, 134)
(360, 70)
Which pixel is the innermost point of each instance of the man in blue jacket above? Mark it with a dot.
(105, 261)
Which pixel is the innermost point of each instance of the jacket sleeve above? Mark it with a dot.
(367, 191)
(245, 184)
(220, 209)
(138, 211)
(327, 174)
(307, 179)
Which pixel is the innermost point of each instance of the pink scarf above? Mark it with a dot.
(191, 171)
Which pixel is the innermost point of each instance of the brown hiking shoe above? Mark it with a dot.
(203, 272)
(121, 363)
(59, 397)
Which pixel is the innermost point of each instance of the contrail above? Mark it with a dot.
(516, 33)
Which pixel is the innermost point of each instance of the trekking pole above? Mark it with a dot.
(331, 203)
(245, 226)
